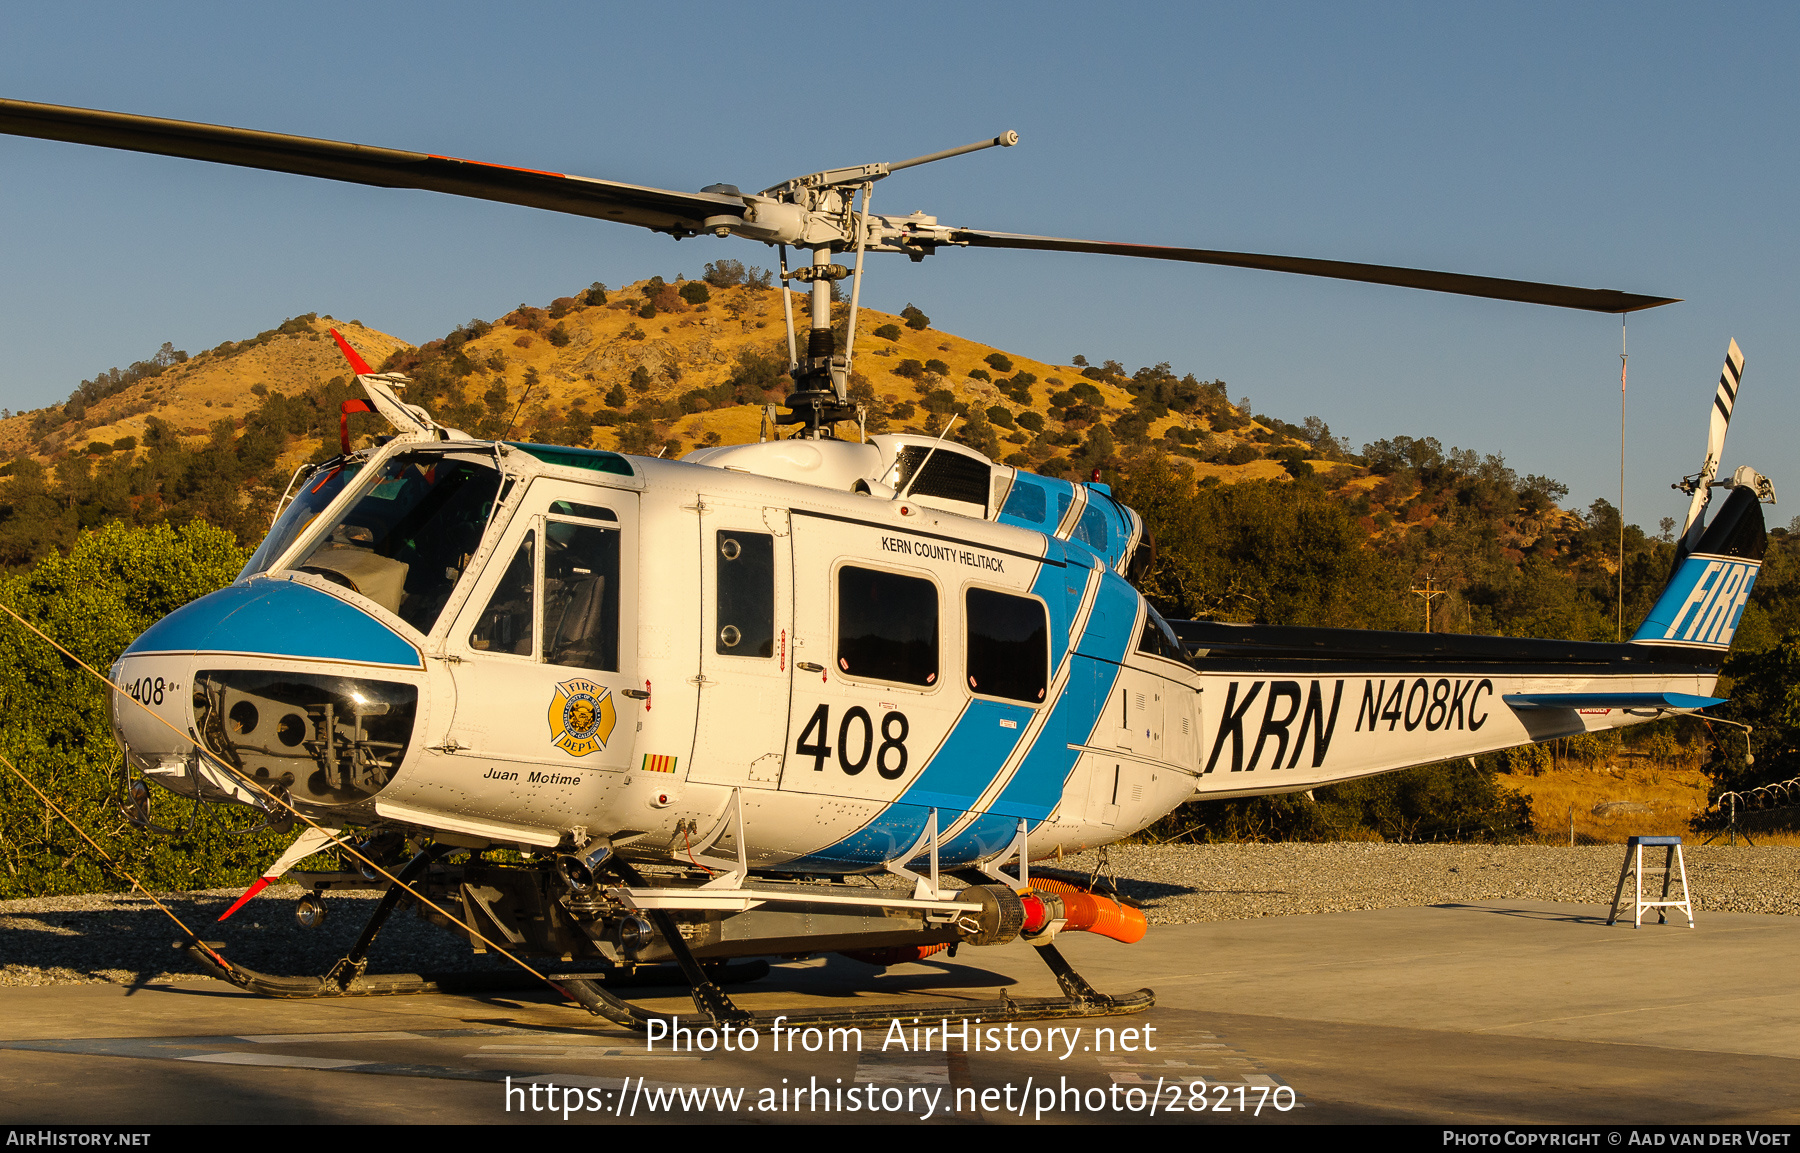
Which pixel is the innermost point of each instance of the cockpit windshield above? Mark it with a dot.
(411, 532)
(317, 490)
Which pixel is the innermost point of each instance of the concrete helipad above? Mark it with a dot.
(1460, 1014)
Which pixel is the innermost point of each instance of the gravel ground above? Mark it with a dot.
(126, 939)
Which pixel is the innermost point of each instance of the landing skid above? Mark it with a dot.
(1079, 999)
(406, 984)
(717, 1009)
(595, 991)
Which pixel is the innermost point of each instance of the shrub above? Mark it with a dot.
(1001, 415)
(595, 295)
(979, 374)
(999, 362)
(640, 379)
(561, 307)
(911, 369)
(937, 366)
(1032, 420)
(939, 400)
(648, 312)
(125, 444)
(1085, 391)
(915, 319)
(98, 448)
(724, 273)
(695, 292)
(636, 436)
(1241, 454)
(558, 336)
(888, 332)
(615, 397)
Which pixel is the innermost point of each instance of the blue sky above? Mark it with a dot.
(1644, 147)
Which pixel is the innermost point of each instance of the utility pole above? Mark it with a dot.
(1428, 592)
(1622, 363)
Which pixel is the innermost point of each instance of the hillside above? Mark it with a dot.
(192, 395)
(662, 367)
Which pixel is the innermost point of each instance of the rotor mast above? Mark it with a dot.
(831, 225)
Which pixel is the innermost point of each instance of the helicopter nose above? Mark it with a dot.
(297, 691)
(278, 617)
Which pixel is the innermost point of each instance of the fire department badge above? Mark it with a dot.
(582, 717)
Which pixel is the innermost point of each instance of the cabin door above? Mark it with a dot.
(746, 613)
(541, 658)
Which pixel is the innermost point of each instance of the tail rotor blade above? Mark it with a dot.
(1724, 400)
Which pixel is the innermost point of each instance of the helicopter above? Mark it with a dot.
(620, 711)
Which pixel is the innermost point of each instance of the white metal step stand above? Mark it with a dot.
(1634, 864)
(924, 888)
(993, 866)
(733, 879)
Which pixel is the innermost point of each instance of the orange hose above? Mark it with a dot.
(1090, 912)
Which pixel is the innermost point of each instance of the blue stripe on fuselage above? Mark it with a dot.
(976, 747)
(1038, 785)
(972, 752)
(278, 618)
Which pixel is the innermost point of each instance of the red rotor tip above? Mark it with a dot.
(357, 363)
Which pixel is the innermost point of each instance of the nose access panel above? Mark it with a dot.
(328, 740)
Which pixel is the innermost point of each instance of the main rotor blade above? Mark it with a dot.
(655, 208)
(1556, 295)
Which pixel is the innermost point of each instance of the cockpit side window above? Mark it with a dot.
(581, 589)
(410, 535)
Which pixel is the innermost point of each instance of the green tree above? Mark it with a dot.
(54, 726)
(914, 318)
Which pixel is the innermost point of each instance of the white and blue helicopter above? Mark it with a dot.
(705, 700)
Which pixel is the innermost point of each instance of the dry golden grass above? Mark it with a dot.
(694, 348)
(209, 387)
(1676, 797)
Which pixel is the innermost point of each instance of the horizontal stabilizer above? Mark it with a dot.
(1610, 701)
